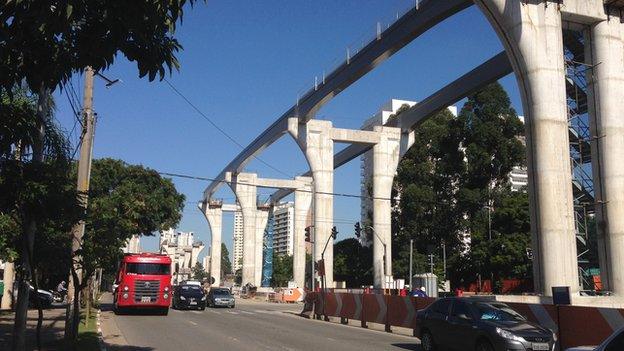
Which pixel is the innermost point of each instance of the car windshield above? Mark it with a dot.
(148, 268)
(191, 288)
(221, 293)
(497, 312)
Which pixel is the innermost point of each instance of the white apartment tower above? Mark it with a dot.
(238, 241)
(283, 228)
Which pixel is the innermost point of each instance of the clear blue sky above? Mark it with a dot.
(243, 64)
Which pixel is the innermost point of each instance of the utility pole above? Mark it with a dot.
(411, 277)
(313, 237)
(84, 175)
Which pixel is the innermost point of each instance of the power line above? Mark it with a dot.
(221, 130)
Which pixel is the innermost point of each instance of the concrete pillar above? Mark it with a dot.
(315, 139)
(262, 216)
(244, 187)
(606, 101)
(8, 278)
(214, 215)
(532, 35)
(385, 163)
(303, 200)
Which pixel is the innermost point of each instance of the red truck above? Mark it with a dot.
(143, 282)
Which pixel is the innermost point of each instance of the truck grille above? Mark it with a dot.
(146, 288)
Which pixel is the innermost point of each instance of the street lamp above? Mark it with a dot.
(385, 271)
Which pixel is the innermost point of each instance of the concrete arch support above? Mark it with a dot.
(315, 139)
(262, 217)
(607, 82)
(214, 215)
(385, 163)
(303, 201)
(245, 189)
(532, 35)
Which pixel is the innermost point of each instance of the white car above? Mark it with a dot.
(615, 342)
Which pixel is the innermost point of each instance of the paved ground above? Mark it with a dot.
(250, 326)
(52, 329)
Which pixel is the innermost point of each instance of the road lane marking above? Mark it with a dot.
(247, 312)
(196, 312)
(232, 312)
(193, 323)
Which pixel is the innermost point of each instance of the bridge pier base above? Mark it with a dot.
(214, 216)
(303, 200)
(385, 163)
(606, 79)
(532, 35)
(243, 185)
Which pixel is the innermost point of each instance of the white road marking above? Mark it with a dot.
(247, 312)
(232, 312)
(196, 312)
(193, 323)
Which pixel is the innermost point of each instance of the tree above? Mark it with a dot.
(353, 263)
(226, 264)
(453, 176)
(282, 270)
(45, 43)
(37, 189)
(199, 272)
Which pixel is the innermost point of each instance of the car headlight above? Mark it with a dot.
(126, 288)
(509, 335)
(203, 298)
(182, 297)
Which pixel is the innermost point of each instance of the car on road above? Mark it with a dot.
(220, 297)
(615, 342)
(482, 325)
(187, 296)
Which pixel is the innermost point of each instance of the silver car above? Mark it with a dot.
(615, 342)
(220, 297)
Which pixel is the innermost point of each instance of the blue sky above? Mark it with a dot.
(243, 64)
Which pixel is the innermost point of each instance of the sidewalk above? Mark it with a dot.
(112, 336)
(52, 329)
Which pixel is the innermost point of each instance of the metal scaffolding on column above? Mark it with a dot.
(580, 153)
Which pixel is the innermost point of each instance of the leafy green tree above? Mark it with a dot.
(44, 43)
(451, 178)
(226, 264)
(199, 272)
(282, 270)
(353, 263)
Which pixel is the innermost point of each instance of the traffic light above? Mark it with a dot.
(307, 234)
(334, 232)
(358, 229)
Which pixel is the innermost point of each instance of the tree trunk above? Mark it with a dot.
(29, 228)
(8, 278)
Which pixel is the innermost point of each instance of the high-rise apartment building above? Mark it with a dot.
(238, 241)
(283, 228)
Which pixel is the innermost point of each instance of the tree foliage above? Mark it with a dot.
(45, 42)
(282, 270)
(226, 264)
(353, 263)
(199, 272)
(456, 171)
(125, 200)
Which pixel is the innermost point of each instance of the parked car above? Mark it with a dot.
(615, 342)
(189, 296)
(220, 297)
(474, 324)
(45, 297)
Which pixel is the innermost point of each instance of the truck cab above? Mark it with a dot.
(143, 282)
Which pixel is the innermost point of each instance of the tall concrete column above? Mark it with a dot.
(303, 200)
(246, 193)
(315, 139)
(214, 215)
(8, 278)
(606, 101)
(385, 163)
(262, 217)
(532, 35)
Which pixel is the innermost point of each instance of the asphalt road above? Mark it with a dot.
(250, 326)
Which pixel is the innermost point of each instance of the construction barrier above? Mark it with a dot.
(574, 325)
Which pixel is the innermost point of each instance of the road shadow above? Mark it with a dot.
(108, 307)
(52, 329)
(408, 346)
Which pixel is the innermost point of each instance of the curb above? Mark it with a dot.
(99, 331)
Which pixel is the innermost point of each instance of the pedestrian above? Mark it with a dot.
(403, 292)
(62, 290)
(420, 292)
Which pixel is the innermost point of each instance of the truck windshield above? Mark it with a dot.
(147, 268)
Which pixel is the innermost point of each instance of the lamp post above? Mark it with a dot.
(385, 271)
